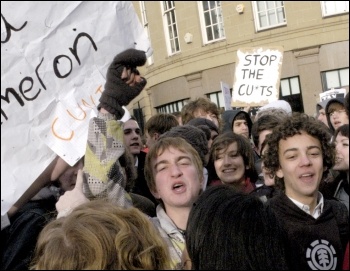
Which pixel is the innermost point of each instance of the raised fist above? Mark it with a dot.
(123, 82)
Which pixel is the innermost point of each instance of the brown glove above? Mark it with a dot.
(116, 92)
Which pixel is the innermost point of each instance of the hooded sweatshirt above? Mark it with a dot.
(334, 100)
(229, 116)
(313, 244)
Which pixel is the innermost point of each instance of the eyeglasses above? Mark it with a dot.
(337, 111)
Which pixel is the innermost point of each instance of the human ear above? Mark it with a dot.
(155, 194)
(279, 173)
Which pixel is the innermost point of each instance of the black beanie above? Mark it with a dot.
(202, 121)
(193, 135)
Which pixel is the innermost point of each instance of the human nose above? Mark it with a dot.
(175, 170)
(226, 160)
(337, 147)
(135, 135)
(305, 160)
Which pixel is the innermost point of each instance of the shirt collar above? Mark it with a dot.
(306, 208)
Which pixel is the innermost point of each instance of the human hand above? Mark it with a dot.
(71, 199)
(123, 81)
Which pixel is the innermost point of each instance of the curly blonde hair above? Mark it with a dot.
(99, 235)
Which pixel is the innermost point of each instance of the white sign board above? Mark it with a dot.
(54, 58)
(257, 76)
(226, 93)
(332, 93)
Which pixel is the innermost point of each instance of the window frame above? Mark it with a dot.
(290, 86)
(204, 27)
(325, 84)
(335, 13)
(168, 39)
(171, 107)
(258, 27)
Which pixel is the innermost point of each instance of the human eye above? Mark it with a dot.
(219, 156)
(233, 154)
(214, 116)
(291, 156)
(161, 167)
(315, 153)
(184, 162)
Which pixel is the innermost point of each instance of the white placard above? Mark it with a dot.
(257, 76)
(54, 57)
(226, 93)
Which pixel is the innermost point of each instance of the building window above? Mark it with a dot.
(335, 79)
(218, 98)
(171, 107)
(290, 92)
(212, 22)
(144, 20)
(170, 27)
(290, 86)
(268, 14)
(330, 8)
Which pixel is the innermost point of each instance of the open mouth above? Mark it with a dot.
(178, 187)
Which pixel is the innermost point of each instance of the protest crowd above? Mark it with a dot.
(200, 189)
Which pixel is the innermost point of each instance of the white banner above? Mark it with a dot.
(54, 58)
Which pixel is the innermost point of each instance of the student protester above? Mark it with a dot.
(228, 230)
(177, 115)
(136, 184)
(174, 173)
(101, 236)
(173, 168)
(158, 125)
(336, 113)
(269, 188)
(233, 159)
(339, 187)
(19, 238)
(263, 126)
(214, 130)
(321, 112)
(298, 153)
(210, 174)
(201, 108)
(237, 121)
(197, 137)
(274, 108)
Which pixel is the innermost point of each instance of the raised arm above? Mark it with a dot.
(103, 175)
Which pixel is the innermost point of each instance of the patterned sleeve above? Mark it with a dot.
(103, 176)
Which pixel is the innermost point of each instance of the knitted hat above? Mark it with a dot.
(278, 104)
(202, 121)
(193, 135)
